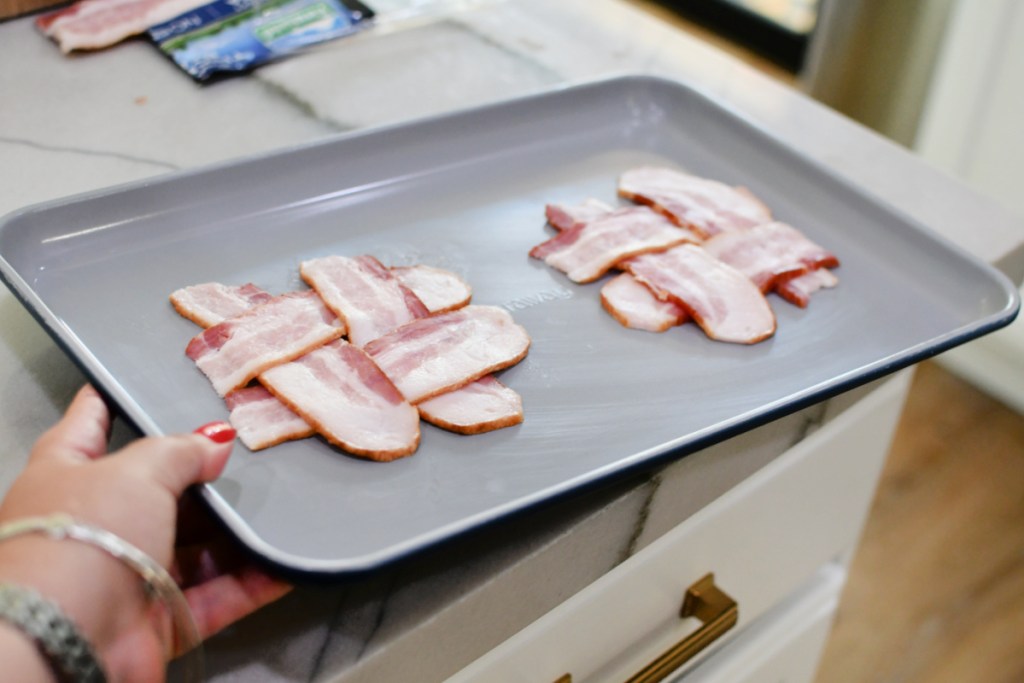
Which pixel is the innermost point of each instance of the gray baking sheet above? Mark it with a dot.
(467, 191)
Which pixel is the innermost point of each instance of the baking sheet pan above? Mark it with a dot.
(467, 191)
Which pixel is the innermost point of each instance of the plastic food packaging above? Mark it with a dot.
(234, 36)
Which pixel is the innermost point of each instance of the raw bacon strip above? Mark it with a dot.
(439, 290)
(562, 217)
(95, 24)
(588, 250)
(433, 355)
(480, 406)
(263, 421)
(211, 303)
(258, 417)
(798, 291)
(364, 294)
(375, 302)
(723, 301)
(707, 207)
(636, 307)
(769, 253)
(628, 301)
(233, 352)
(339, 390)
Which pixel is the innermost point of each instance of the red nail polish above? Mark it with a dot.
(220, 432)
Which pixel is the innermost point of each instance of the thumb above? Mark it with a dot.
(179, 461)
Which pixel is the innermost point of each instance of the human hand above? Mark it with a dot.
(133, 493)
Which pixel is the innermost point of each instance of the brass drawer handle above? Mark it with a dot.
(714, 608)
(705, 601)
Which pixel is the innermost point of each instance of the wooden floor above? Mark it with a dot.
(936, 590)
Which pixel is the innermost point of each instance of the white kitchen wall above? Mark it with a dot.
(873, 60)
(972, 125)
(945, 78)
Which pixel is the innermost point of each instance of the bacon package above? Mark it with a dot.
(286, 372)
(734, 255)
(228, 37)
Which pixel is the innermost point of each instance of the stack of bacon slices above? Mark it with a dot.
(358, 359)
(690, 248)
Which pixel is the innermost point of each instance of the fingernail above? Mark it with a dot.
(219, 431)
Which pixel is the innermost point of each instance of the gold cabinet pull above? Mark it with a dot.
(718, 612)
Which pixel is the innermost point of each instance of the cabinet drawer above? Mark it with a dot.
(784, 645)
(762, 540)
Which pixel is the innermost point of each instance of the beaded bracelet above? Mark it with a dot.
(69, 655)
(157, 582)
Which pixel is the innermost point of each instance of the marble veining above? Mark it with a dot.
(65, 149)
(813, 418)
(290, 98)
(415, 72)
(650, 487)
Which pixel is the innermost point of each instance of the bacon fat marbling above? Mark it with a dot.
(363, 293)
(589, 249)
(235, 351)
(770, 253)
(342, 393)
(705, 206)
(723, 301)
(480, 406)
(211, 303)
(433, 355)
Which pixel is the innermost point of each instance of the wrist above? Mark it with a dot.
(109, 618)
(96, 591)
(56, 638)
(22, 659)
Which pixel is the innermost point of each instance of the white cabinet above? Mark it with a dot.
(777, 544)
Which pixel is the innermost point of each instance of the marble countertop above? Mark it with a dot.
(78, 123)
